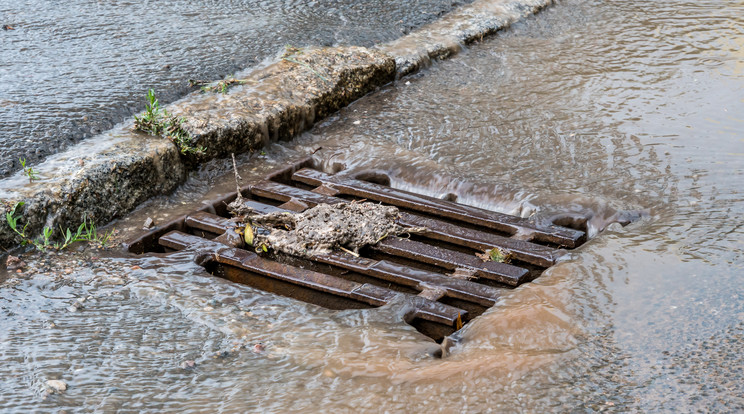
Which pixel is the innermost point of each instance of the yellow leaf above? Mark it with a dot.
(248, 234)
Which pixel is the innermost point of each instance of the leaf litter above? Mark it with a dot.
(319, 230)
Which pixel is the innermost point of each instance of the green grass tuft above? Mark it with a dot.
(157, 121)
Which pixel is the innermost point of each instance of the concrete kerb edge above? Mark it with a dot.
(105, 178)
(447, 36)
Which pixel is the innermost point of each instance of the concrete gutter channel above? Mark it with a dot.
(107, 177)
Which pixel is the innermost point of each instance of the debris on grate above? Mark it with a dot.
(452, 264)
(321, 229)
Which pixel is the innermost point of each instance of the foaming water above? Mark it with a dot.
(595, 109)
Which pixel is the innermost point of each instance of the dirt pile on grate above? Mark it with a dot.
(323, 228)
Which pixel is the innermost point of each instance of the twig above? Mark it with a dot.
(238, 179)
(218, 86)
(348, 251)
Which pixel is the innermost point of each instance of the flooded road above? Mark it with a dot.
(589, 107)
(71, 70)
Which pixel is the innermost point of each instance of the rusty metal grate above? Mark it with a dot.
(425, 268)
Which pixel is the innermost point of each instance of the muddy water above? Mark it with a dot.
(71, 70)
(591, 108)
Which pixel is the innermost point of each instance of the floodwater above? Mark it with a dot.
(589, 107)
(70, 70)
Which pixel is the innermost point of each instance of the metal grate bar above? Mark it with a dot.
(395, 246)
(381, 269)
(320, 282)
(502, 222)
(436, 229)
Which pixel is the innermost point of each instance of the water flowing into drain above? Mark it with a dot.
(442, 271)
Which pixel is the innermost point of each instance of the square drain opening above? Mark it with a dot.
(437, 271)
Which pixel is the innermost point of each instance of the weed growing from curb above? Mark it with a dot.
(157, 121)
(86, 232)
(28, 171)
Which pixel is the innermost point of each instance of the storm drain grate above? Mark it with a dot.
(437, 270)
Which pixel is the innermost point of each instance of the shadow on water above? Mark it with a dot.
(588, 108)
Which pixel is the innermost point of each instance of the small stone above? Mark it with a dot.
(208, 309)
(148, 224)
(56, 386)
(258, 348)
(114, 281)
(188, 364)
(221, 354)
(76, 306)
(213, 302)
(68, 271)
(135, 267)
(14, 263)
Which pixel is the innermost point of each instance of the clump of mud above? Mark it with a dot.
(323, 228)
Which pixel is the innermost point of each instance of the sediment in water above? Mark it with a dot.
(109, 176)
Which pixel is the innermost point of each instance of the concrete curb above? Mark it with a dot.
(107, 177)
(447, 36)
(283, 99)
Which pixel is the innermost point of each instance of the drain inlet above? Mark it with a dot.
(437, 271)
